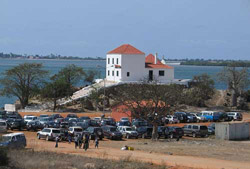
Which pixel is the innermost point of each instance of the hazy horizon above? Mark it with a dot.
(176, 29)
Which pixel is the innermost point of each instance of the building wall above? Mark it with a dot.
(120, 111)
(110, 67)
(167, 78)
(232, 131)
(135, 65)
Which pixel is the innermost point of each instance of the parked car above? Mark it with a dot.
(3, 126)
(43, 116)
(29, 118)
(3, 115)
(182, 116)
(211, 129)
(17, 124)
(111, 132)
(123, 123)
(195, 130)
(191, 118)
(64, 125)
(198, 117)
(45, 121)
(210, 115)
(124, 119)
(72, 116)
(34, 125)
(49, 133)
(128, 132)
(225, 117)
(75, 130)
(93, 132)
(171, 119)
(13, 140)
(108, 122)
(83, 125)
(237, 116)
(56, 116)
(174, 132)
(59, 120)
(84, 118)
(144, 131)
(140, 123)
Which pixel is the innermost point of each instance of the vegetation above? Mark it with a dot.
(47, 160)
(149, 101)
(237, 81)
(23, 81)
(201, 62)
(51, 56)
(201, 89)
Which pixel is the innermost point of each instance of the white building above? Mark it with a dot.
(128, 64)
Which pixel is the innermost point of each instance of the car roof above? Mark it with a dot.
(52, 128)
(13, 134)
(76, 127)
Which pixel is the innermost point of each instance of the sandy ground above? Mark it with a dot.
(206, 153)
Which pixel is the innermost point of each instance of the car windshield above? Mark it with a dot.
(44, 119)
(44, 115)
(2, 124)
(78, 129)
(98, 129)
(6, 138)
(56, 131)
(128, 129)
(203, 127)
(29, 118)
(232, 114)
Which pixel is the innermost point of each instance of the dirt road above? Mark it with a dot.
(115, 153)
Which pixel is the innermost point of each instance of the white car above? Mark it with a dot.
(49, 133)
(76, 130)
(199, 118)
(124, 119)
(128, 132)
(172, 119)
(3, 126)
(29, 118)
(235, 115)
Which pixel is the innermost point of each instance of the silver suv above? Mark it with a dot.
(49, 133)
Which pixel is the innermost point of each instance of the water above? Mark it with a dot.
(53, 66)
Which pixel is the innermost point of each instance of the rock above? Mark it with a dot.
(89, 165)
(145, 143)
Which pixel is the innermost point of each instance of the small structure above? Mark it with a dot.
(232, 131)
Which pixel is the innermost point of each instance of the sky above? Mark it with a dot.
(177, 29)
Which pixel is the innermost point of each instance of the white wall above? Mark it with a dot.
(167, 78)
(135, 65)
(111, 67)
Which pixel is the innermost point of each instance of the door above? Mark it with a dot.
(150, 78)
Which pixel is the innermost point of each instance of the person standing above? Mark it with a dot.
(57, 140)
(96, 142)
(86, 142)
(76, 141)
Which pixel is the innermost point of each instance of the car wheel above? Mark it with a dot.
(194, 135)
(38, 136)
(127, 136)
(47, 138)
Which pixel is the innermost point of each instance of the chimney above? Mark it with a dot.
(155, 58)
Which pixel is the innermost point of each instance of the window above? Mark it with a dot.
(117, 61)
(161, 72)
(128, 74)
(108, 72)
(113, 60)
(108, 60)
(113, 73)
(117, 73)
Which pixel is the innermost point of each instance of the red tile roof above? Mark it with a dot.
(150, 60)
(126, 49)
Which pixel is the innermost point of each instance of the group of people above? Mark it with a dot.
(80, 140)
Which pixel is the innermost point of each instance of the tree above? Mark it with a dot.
(237, 79)
(55, 89)
(23, 81)
(72, 74)
(149, 101)
(90, 76)
(201, 89)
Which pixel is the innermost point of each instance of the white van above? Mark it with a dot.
(235, 115)
(3, 126)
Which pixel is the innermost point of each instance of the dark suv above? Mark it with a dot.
(94, 131)
(111, 132)
(175, 132)
(195, 130)
(182, 116)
